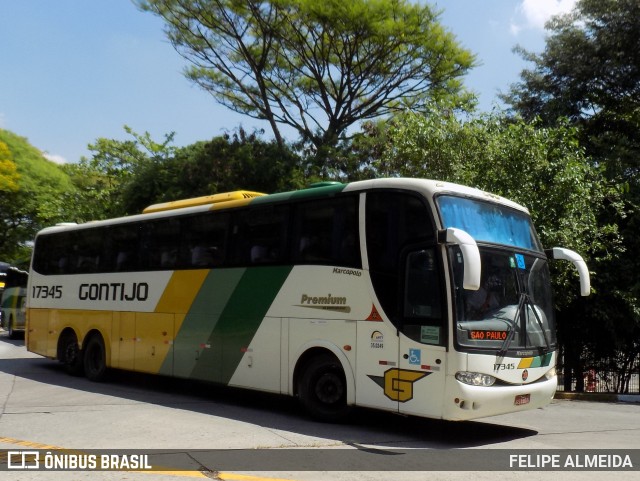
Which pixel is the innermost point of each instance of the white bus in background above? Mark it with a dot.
(415, 296)
(13, 297)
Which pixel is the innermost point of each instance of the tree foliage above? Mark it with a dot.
(31, 197)
(124, 176)
(589, 72)
(8, 171)
(101, 179)
(543, 168)
(318, 67)
(238, 162)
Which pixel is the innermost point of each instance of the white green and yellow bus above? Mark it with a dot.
(415, 296)
(13, 297)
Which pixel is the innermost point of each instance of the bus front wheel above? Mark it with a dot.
(95, 364)
(322, 389)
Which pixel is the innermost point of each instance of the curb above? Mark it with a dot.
(598, 397)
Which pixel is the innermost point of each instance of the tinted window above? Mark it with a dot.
(204, 240)
(122, 248)
(86, 251)
(160, 245)
(395, 221)
(326, 232)
(489, 222)
(260, 236)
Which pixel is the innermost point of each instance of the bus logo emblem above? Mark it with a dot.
(397, 384)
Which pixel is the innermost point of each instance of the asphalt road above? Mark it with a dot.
(43, 408)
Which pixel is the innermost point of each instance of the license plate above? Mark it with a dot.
(522, 399)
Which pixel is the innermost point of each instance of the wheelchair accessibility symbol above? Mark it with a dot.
(414, 356)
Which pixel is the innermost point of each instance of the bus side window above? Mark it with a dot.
(395, 220)
(87, 251)
(422, 304)
(122, 252)
(260, 236)
(326, 232)
(423, 319)
(159, 241)
(204, 240)
(422, 286)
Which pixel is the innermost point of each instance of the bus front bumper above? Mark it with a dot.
(464, 402)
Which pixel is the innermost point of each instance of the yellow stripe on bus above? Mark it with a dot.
(525, 363)
(231, 204)
(181, 291)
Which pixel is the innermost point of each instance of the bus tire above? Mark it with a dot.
(70, 355)
(95, 363)
(322, 389)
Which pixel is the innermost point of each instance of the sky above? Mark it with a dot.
(72, 71)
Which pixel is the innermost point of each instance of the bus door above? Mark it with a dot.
(420, 378)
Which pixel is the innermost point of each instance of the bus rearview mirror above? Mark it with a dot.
(577, 260)
(470, 255)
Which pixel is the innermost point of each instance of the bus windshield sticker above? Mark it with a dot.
(520, 261)
(377, 340)
(430, 334)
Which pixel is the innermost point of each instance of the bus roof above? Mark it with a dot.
(228, 200)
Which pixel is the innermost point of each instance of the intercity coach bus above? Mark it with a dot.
(13, 299)
(414, 296)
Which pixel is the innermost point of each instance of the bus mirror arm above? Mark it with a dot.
(470, 255)
(578, 261)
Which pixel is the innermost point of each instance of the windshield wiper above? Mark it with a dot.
(539, 321)
(512, 327)
(524, 300)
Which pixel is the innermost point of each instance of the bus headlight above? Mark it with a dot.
(551, 373)
(475, 378)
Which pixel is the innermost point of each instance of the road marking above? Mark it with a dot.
(184, 474)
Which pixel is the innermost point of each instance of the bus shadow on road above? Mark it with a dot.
(271, 411)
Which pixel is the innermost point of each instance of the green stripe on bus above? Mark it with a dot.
(195, 333)
(544, 360)
(238, 323)
(312, 193)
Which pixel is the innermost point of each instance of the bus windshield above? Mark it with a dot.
(512, 310)
(489, 222)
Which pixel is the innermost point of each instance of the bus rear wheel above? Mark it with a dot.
(95, 363)
(70, 354)
(322, 389)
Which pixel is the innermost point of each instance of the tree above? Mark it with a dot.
(31, 196)
(318, 67)
(589, 72)
(227, 163)
(543, 168)
(101, 180)
(8, 171)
